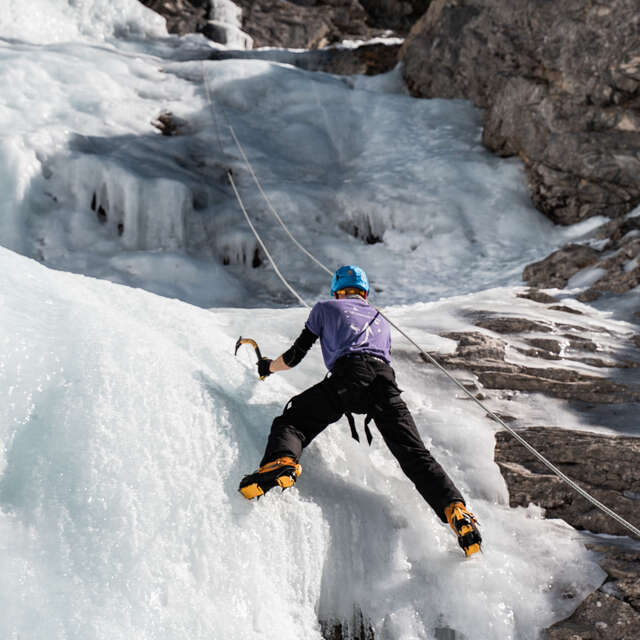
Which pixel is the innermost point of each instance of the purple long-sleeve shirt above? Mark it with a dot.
(349, 325)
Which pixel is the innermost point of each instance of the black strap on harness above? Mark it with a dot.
(352, 423)
(344, 391)
(352, 426)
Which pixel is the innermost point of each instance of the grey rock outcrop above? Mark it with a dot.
(309, 24)
(295, 24)
(609, 469)
(555, 270)
(568, 345)
(600, 617)
(560, 83)
(182, 16)
(303, 25)
(217, 20)
(617, 262)
(309, 28)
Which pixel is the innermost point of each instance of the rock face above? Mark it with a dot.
(303, 25)
(560, 82)
(600, 617)
(182, 16)
(567, 345)
(309, 24)
(608, 469)
(218, 20)
(605, 466)
(295, 24)
(617, 262)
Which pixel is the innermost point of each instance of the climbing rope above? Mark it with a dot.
(271, 207)
(237, 193)
(594, 501)
(261, 243)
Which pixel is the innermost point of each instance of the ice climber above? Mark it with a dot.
(356, 344)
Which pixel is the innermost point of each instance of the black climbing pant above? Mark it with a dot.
(366, 385)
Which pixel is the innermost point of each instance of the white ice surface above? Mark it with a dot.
(127, 423)
(51, 21)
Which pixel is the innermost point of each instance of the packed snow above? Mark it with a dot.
(127, 425)
(128, 421)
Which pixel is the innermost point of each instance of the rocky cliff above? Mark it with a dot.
(297, 24)
(560, 83)
(512, 357)
(310, 26)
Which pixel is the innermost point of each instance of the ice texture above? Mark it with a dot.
(127, 424)
(52, 21)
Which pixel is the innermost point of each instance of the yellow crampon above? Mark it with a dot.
(282, 472)
(463, 523)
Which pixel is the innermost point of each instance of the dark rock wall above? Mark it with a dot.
(618, 261)
(396, 15)
(608, 469)
(302, 25)
(605, 466)
(298, 24)
(560, 82)
(309, 24)
(182, 16)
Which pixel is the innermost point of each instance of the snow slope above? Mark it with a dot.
(127, 425)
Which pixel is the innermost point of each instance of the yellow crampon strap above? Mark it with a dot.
(251, 491)
(455, 514)
(281, 462)
(253, 488)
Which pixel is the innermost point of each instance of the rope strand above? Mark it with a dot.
(271, 208)
(259, 239)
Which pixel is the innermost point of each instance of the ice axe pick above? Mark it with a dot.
(251, 342)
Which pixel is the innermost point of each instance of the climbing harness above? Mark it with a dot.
(425, 356)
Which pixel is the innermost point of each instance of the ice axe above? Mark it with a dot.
(251, 342)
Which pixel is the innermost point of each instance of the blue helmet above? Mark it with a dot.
(349, 276)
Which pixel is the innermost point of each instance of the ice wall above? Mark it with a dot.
(226, 20)
(127, 422)
(126, 426)
(50, 21)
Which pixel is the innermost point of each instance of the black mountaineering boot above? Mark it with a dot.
(463, 523)
(282, 472)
